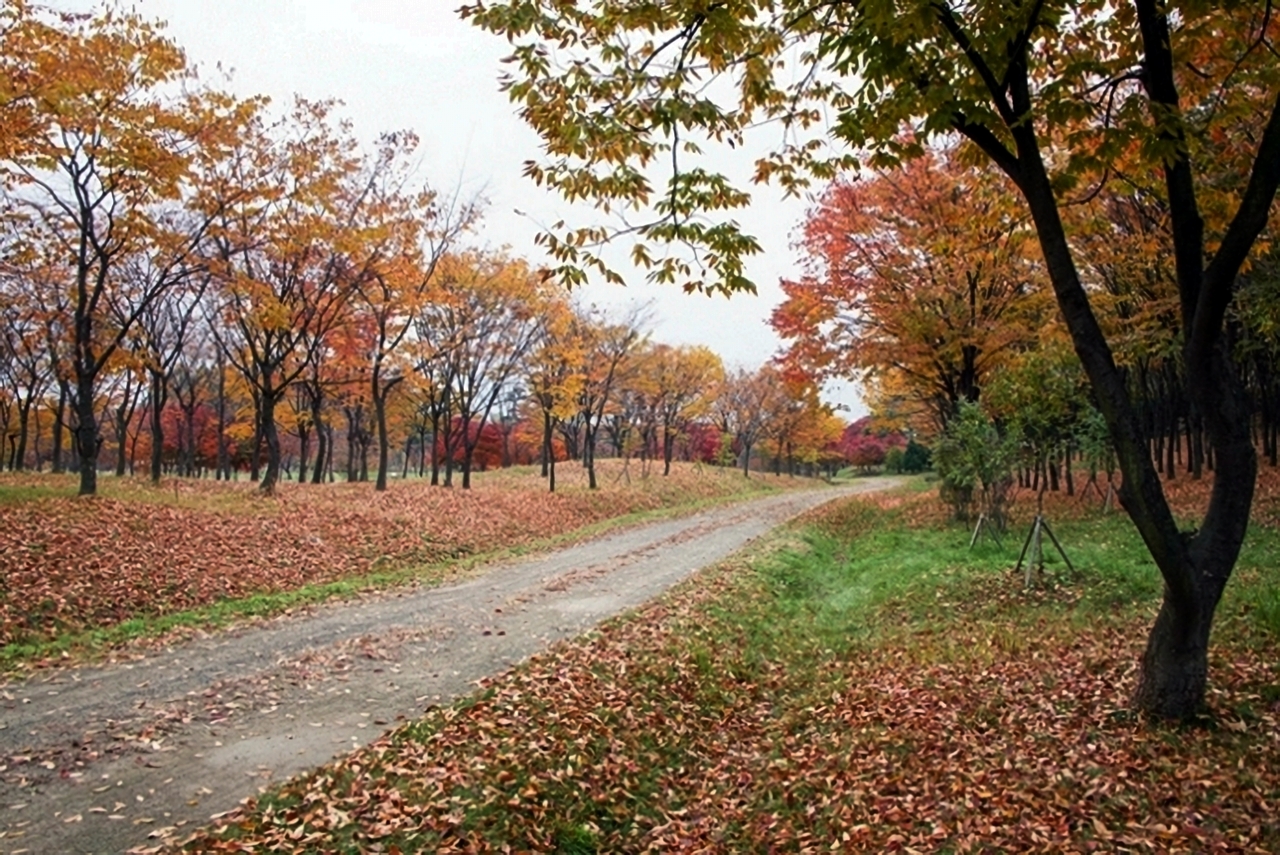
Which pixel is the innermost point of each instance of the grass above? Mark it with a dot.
(864, 680)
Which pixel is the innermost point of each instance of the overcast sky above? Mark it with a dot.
(412, 64)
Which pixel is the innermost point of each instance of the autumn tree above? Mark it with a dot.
(25, 369)
(746, 403)
(415, 230)
(477, 331)
(609, 343)
(552, 375)
(686, 382)
(923, 272)
(287, 250)
(106, 144)
(1047, 91)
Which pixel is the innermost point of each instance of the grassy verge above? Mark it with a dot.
(86, 645)
(862, 683)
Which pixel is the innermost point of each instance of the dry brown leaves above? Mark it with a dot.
(657, 734)
(70, 564)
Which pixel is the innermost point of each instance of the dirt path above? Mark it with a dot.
(104, 759)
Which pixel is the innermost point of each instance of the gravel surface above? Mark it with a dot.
(104, 759)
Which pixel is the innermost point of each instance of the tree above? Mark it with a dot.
(609, 345)
(287, 250)
(414, 231)
(482, 324)
(552, 375)
(924, 272)
(104, 146)
(687, 380)
(1048, 90)
(974, 453)
(746, 401)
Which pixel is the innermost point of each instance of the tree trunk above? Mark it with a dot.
(668, 448)
(255, 459)
(271, 436)
(548, 451)
(384, 443)
(24, 418)
(589, 458)
(86, 436)
(59, 423)
(322, 439)
(224, 454)
(435, 446)
(1175, 664)
(159, 393)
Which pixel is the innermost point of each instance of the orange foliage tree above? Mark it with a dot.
(925, 274)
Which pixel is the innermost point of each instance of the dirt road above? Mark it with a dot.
(104, 759)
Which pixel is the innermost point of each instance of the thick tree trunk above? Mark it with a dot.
(271, 436)
(322, 441)
(86, 436)
(24, 420)
(384, 442)
(1175, 664)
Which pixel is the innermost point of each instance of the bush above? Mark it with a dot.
(976, 460)
(916, 457)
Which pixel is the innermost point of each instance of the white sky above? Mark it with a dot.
(412, 64)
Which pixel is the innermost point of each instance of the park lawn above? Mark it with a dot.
(81, 575)
(862, 682)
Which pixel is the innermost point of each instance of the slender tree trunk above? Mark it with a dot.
(224, 453)
(189, 452)
(329, 444)
(59, 423)
(255, 460)
(123, 414)
(304, 452)
(159, 393)
(435, 450)
(668, 448)
(589, 457)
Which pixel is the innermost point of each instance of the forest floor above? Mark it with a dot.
(79, 577)
(104, 757)
(861, 680)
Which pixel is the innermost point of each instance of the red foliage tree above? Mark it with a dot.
(864, 447)
(704, 442)
(488, 444)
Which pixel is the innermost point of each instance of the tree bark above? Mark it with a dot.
(86, 436)
(59, 424)
(270, 435)
(159, 394)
